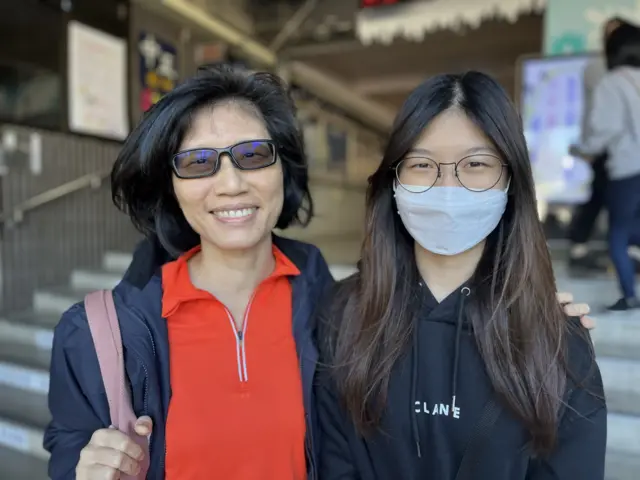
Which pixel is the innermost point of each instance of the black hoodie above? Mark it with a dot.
(441, 404)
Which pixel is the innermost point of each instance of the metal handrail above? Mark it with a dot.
(91, 180)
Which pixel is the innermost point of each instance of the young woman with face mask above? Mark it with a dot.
(447, 355)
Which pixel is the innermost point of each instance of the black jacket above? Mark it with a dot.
(77, 398)
(438, 401)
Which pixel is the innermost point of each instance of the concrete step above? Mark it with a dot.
(623, 447)
(25, 344)
(94, 279)
(21, 454)
(116, 262)
(16, 465)
(23, 391)
(56, 300)
(33, 318)
(621, 466)
(621, 379)
(624, 434)
(618, 335)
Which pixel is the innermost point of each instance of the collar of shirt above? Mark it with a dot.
(178, 288)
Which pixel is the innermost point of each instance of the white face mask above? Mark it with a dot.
(450, 220)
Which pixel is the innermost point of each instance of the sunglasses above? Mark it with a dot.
(205, 162)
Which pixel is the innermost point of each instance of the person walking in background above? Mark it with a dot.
(628, 34)
(581, 259)
(614, 127)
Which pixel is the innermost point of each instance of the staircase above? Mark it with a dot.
(25, 348)
(617, 345)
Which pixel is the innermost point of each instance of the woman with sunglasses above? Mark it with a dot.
(447, 354)
(218, 342)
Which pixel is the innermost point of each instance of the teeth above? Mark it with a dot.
(244, 212)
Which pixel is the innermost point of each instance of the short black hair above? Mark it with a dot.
(141, 183)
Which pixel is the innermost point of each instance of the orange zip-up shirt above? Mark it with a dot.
(236, 410)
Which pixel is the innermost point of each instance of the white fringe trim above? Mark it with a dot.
(413, 21)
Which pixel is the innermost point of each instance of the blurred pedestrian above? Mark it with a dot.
(585, 216)
(614, 127)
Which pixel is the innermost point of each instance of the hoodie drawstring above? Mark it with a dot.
(466, 291)
(414, 386)
(456, 351)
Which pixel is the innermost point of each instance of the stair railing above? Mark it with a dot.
(16, 214)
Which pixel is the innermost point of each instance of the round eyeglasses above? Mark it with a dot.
(205, 162)
(476, 172)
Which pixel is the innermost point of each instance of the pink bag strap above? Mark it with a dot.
(105, 331)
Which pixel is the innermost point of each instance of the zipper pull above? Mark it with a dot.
(240, 335)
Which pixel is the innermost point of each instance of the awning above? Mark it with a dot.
(413, 21)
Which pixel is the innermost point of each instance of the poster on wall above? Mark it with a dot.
(158, 69)
(97, 68)
(552, 107)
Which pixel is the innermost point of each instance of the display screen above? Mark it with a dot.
(552, 106)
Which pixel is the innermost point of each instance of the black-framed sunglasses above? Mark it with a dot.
(205, 162)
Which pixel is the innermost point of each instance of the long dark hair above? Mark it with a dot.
(141, 177)
(518, 324)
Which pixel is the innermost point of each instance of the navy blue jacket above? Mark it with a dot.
(77, 398)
